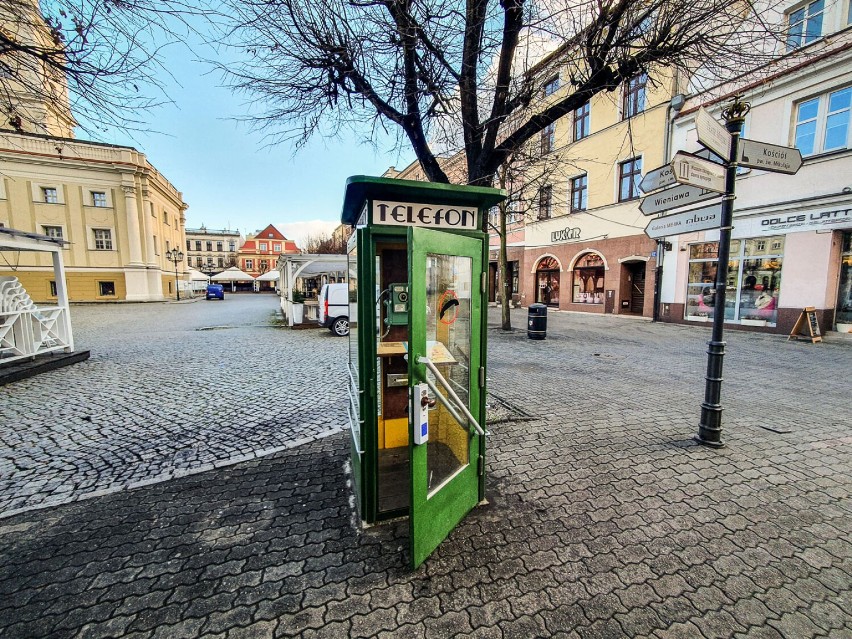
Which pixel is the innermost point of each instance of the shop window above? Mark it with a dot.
(753, 286)
(581, 121)
(804, 25)
(547, 282)
(634, 96)
(630, 174)
(843, 316)
(513, 276)
(545, 202)
(579, 193)
(588, 280)
(106, 289)
(548, 138)
(822, 123)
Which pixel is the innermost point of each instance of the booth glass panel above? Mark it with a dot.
(448, 333)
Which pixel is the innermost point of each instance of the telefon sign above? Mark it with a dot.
(426, 215)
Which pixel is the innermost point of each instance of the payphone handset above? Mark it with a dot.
(396, 307)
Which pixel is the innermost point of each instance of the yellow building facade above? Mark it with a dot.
(118, 212)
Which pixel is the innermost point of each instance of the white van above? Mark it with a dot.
(334, 308)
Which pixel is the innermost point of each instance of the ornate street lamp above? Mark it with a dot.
(176, 257)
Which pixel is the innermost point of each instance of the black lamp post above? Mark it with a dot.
(176, 257)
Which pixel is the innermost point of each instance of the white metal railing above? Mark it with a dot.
(31, 332)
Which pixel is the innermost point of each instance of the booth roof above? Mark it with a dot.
(315, 263)
(196, 275)
(232, 274)
(360, 188)
(269, 276)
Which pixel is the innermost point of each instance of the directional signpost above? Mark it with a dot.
(695, 171)
(713, 134)
(657, 179)
(769, 157)
(698, 220)
(675, 197)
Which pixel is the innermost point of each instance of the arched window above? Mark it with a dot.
(547, 282)
(588, 275)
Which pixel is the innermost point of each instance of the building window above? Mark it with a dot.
(103, 239)
(579, 192)
(188, 246)
(106, 289)
(545, 202)
(168, 248)
(263, 246)
(547, 282)
(805, 24)
(754, 280)
(822, 124)
(232, 246)
(581, 121)
(156, 246)
(249, 265)
(199, 261)
(634, 96)
(276, 248)
(197, 245)
(221, 262)
(165, 217)
(630, 174)
(209, 246)
(53, 288)
(551, 86)
(52, 231)
(188, 260)
(588, 284)
(548, 138)
(99, 199)
(50, 195)
(219, 246)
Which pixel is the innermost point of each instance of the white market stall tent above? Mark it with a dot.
(232, 275)
(197, 281)
(293, 270)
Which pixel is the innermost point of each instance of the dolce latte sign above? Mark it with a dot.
(435, 216)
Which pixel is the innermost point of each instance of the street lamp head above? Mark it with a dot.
(180, 256)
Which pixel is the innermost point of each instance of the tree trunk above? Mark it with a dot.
(505, 284)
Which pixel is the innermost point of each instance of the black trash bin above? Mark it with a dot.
(537, 321)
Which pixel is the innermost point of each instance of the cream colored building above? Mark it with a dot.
(211, 250)
(118, 212)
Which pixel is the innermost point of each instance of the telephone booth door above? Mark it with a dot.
(446, 380)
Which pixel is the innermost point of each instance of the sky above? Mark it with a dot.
(229, 175)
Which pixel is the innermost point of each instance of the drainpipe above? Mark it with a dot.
(674, 106)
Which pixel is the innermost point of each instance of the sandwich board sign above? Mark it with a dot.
(675, 197)
(703, 219)
(769, 157)
(695, 171)
(713, 134)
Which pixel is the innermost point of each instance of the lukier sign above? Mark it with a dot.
(697, 220)
(713, 134)
(434, 216)
(769, 157)
(689, 169)
(677, 196)
(657, 179)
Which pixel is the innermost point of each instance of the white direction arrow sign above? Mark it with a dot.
(769, 157)
(698, 220)
(689, 169)
(657, 179)
(713, 134)
(681, 195)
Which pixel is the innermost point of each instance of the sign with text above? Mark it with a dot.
(435, 216)
(690, 169)
(677, 196)
(713, 134)
(824, 219)
(659, 178)
(769, 157)
(697, 220)
(565, 234)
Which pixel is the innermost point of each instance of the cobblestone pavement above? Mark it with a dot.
(604, 519)
(169, 389)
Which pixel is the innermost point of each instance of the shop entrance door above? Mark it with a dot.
(445, 378)
(637, 288)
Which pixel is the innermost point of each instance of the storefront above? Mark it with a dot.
(843, 314)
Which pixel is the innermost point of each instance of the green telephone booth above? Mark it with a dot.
(418, 278)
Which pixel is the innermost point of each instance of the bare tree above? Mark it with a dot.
(334, 244)
(97, 59)
(435, 69)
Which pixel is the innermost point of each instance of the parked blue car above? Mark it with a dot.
(216, 291)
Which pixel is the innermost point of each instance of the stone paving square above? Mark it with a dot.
(604, 518)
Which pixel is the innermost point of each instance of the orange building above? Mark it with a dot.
(260, 251)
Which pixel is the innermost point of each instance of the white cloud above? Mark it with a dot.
(301, 231)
